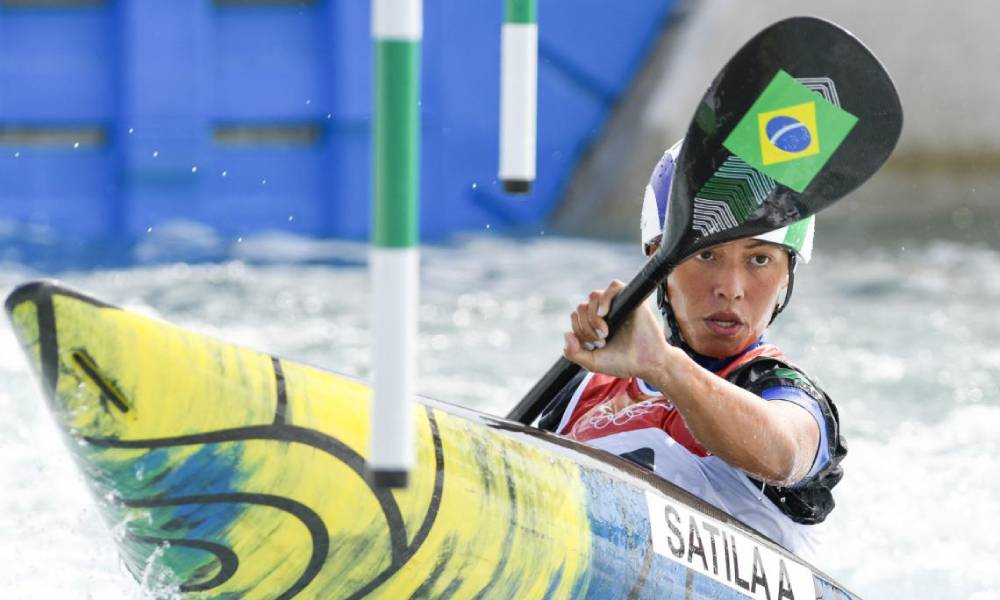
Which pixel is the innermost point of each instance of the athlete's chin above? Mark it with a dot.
(720, 346)
(720, 351)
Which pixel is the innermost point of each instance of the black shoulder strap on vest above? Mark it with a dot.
(809, 502)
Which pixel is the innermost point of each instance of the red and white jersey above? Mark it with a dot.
(630, 418)
(605, 406)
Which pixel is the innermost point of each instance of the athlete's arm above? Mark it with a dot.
(775, 442)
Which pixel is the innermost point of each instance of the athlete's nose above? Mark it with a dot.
(729, 283)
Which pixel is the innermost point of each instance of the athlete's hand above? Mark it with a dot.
(637, 348)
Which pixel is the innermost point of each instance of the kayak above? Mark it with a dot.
(242, 475)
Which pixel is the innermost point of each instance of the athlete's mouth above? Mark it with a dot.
(724, 323)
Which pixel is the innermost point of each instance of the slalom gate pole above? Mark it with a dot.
(518, 95)
(397, 31)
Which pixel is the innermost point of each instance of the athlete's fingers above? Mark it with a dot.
(581, 327)
(600, 328)
(574, 351)
(587, 333)
(614, 288)
(571, 344)
(601, 304)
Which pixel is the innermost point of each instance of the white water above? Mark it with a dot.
(902, 338)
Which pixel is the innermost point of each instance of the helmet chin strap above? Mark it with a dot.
(788, 290)
(676, 338)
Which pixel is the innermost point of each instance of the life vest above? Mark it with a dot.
(605, 409)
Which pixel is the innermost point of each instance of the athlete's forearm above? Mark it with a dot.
(732, 423)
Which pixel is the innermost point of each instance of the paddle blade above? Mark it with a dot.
(802, 115)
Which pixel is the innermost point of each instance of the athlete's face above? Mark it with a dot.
(723, 297)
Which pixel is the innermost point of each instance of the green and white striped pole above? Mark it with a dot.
(397, 29)
(518, 95)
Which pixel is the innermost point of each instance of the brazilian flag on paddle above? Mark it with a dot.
(790, 132)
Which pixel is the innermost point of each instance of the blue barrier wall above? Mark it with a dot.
(116, 117)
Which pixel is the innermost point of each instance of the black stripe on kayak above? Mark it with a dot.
(48, 345)
(508, 541)
(281, 410)
(435, 504)
(109, 392)
(34, 291)
(286, 433)
(41, 293)
(308, 517)
(401, 550)
(228, 560)
(429, 518)
(647, 565)
(444, 555)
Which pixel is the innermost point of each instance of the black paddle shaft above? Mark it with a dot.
(563, 370)
(832, 63)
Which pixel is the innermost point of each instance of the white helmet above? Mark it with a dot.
(797, 237)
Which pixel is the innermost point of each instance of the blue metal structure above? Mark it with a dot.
(118, 116)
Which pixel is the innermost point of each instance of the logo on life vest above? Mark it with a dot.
(605, 415)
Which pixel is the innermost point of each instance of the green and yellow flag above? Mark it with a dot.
(790, 132)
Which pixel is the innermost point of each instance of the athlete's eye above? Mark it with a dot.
(760, 260)
(706, 255)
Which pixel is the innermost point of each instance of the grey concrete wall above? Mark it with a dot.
(944, 178)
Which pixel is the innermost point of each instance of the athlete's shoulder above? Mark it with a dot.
(770, 367)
